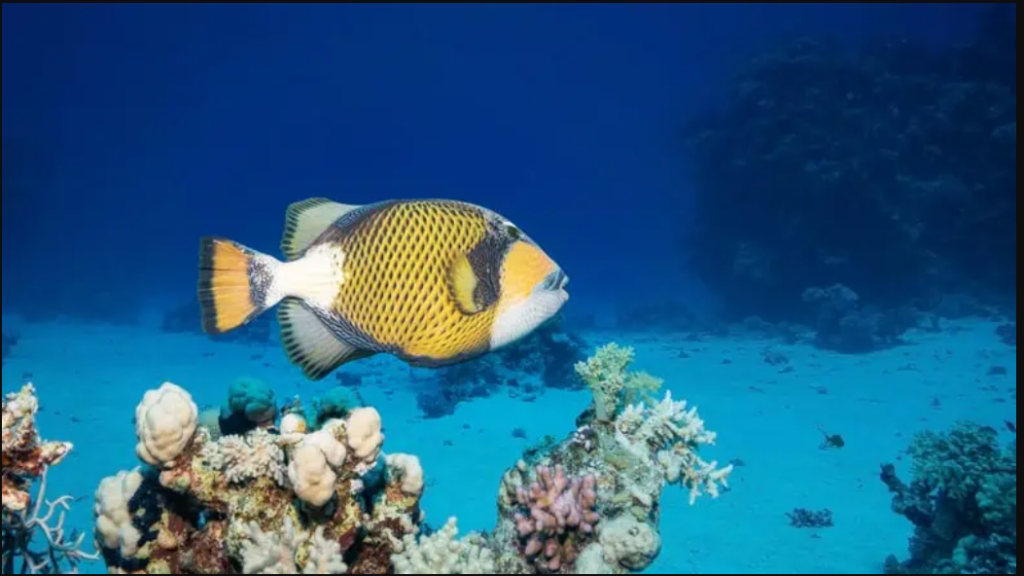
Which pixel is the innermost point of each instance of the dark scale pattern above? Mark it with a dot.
(397, 288)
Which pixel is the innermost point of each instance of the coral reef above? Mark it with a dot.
(889, 167)
(261, 502)
(962, 502)
(34, 538)
(845, 326)
(283, 499)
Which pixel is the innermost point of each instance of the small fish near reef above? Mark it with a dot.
(432, 282)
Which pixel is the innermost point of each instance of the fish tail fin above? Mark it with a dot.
(236, 284)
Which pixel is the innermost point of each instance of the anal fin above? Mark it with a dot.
(306, 221)
(310, 344)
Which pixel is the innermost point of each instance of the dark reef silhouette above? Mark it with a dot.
(889, 169)
(962, 502)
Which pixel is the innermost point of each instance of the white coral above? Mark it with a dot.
(409, 471)
(312, 470)
(293, 429)
(365, 436)
(327, 440)
(669, 435)
(114, 529)
(244, 459)
(278, 553)
(325, 556)
(165, 424)
(443, 553)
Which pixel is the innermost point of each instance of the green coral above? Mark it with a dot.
(336, 404)
(958, 462)
(613, 386)
(250, 404)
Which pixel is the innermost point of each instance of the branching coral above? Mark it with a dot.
(280, 552)
(673, 434)
(26, 460)
(554, 506)
(444, 553)
(613, 385)
(962, 502)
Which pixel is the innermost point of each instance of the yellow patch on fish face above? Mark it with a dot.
(532, 292)
(525, 267)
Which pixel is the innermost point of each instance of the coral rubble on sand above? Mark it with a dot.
(962, 502)
(34, 540)
(282, 498)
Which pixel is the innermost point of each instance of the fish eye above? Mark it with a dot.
(513, 232)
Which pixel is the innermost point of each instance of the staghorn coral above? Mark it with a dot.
(672, 434)
(554, 506)
(962, 502)
(589, 503)
(26, 461)
(444, 553)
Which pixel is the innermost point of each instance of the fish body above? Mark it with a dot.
(433, 282)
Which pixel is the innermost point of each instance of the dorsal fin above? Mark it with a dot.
(462, 281)
(306, 221)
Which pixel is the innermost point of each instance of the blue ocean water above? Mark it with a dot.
(802, 217)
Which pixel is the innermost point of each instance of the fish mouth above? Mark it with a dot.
(556, 281)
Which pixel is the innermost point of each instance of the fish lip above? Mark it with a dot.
(556, 281)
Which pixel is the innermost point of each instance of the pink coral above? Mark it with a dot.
(558, 507)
